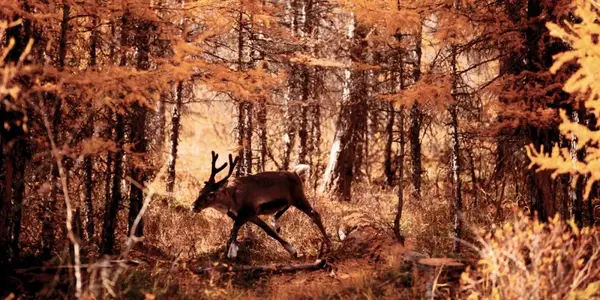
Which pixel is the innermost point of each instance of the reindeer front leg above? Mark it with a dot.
(232, 246)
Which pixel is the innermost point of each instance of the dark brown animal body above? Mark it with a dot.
(260, 194)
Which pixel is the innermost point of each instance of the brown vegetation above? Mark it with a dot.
(451, 148)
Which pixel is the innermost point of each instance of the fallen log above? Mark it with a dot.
(317, 265)
(436, 272)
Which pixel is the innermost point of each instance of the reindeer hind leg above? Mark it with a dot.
(305, 207)
(275, 218)
(271, 232)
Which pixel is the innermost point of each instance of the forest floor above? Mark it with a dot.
(365, 265)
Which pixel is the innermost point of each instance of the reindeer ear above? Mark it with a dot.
(224, 184)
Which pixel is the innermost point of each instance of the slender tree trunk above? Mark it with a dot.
(5, 202)
(397, 230)
(401, 150)
(88, 201)
(87, 161)
(12, 166)
(138, 133)
(306, 147)
(161, 121)
(20, 157)
(474, 180)
(389, 130)
(6, 218)
(415, 127)
(415, 151)
(316, 142)
(175, 123)
(591, 123)
(112, 208)
(456, 167)
(594, 194)
(241, 138)
(12, 199)
(248, 130)
(576, 189)
(303, 130)
(50, 209)
(289, 138)
(244, 107)
(138, 173)
(108, 175)
(262, 134)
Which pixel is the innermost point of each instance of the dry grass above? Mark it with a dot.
(527, 259)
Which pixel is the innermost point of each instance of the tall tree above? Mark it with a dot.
(174, 138)
(112, 207)
(137, 126)
(416, 118)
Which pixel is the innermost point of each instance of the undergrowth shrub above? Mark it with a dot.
(528, 259)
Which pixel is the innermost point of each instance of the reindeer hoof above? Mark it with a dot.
(232, 250)
(291, 250)
(275, 225)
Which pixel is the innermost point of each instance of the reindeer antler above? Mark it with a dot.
(214, 170)
(232, 164)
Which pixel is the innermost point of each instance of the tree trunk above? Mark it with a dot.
(455, 163)
(262, 134)
(303, 130)
(315, 130)
(389, 130)
(138, 172)
(456, 170)
(353, 120)
(20, 157)
(87, 161)
(289, 138)
(594, 194)
(88, 201)
(50, 207)
(397, 230)
(248, 130)
(474, 180)
(137, 133)
(330, 176)
(401, 150)
(112, 207)
(161, 121)
(244, 107)
(415, 127)
(12, 198)
(175, 123)
(12, 166)
(241, 137)
(333, 170)
(108, 175)
(576, 189)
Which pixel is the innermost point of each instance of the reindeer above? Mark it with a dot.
(265, 193)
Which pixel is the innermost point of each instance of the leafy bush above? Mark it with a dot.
(528, 259)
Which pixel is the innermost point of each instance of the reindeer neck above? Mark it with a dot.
(223, 201)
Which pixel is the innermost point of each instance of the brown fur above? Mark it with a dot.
(259, 194)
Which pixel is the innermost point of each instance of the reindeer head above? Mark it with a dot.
(211, 187)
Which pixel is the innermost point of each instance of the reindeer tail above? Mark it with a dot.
(301, 170)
